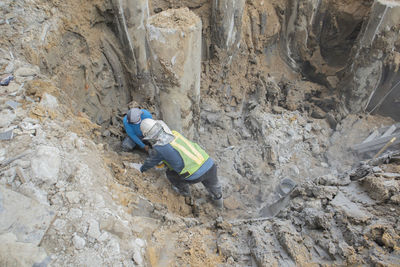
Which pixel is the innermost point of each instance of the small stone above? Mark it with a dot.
(376, 169)
(94, 230)
(230, 261)
(105, 133)
(21, 174)
(73, 197)
(103, 237)
(14, 105)
(57, 200)
(59, 224)
(74, 214)
(232, 203)
(78, 242)
(113, 247)
(27, 71)
(140, 242)
(324, 164)
(308, 127)
(278, 109)
(137, 257)
(391, 175)
(395, 199)
(318, 113)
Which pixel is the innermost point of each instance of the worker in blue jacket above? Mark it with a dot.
(132, 122)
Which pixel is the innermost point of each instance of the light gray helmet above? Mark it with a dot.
(134, 115)
(156, 132)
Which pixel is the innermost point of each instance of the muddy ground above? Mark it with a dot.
(260, 120)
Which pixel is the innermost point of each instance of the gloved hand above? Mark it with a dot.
(136, 166)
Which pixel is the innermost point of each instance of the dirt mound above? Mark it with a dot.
(175, 18)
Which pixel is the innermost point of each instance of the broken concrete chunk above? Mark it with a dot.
(30, 190)
(350, 209)
(16, 253)
(376, 188)
(291, 241)
(6, 118)
(27, 71)
(8, 135)
(94, 229)
(46, 164)
(25, 218)
(138, 250)
(12, 104)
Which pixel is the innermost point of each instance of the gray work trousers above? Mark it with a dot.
(208, 179)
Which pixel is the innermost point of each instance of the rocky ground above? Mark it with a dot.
(70, 196)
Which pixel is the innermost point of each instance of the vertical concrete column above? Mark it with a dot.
(175, 42)
(226, 23)
(374, 71)
(132, 18)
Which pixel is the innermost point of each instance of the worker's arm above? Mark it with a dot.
(146, 114)
(129, 130)
(154, 158)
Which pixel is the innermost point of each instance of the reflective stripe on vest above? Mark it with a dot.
(192, 154)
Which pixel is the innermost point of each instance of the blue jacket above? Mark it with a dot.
(174, 159)
(133, 130)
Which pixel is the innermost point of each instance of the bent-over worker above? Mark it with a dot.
(187, 162)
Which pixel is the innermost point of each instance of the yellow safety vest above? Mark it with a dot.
(192, 154)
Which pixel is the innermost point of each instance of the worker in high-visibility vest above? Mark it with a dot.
(187, 162)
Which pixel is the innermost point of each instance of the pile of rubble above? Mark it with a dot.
(351, 220)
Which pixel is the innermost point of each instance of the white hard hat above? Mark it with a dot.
(146, 126)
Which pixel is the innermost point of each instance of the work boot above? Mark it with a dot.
(185, 193)
(218, 202)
